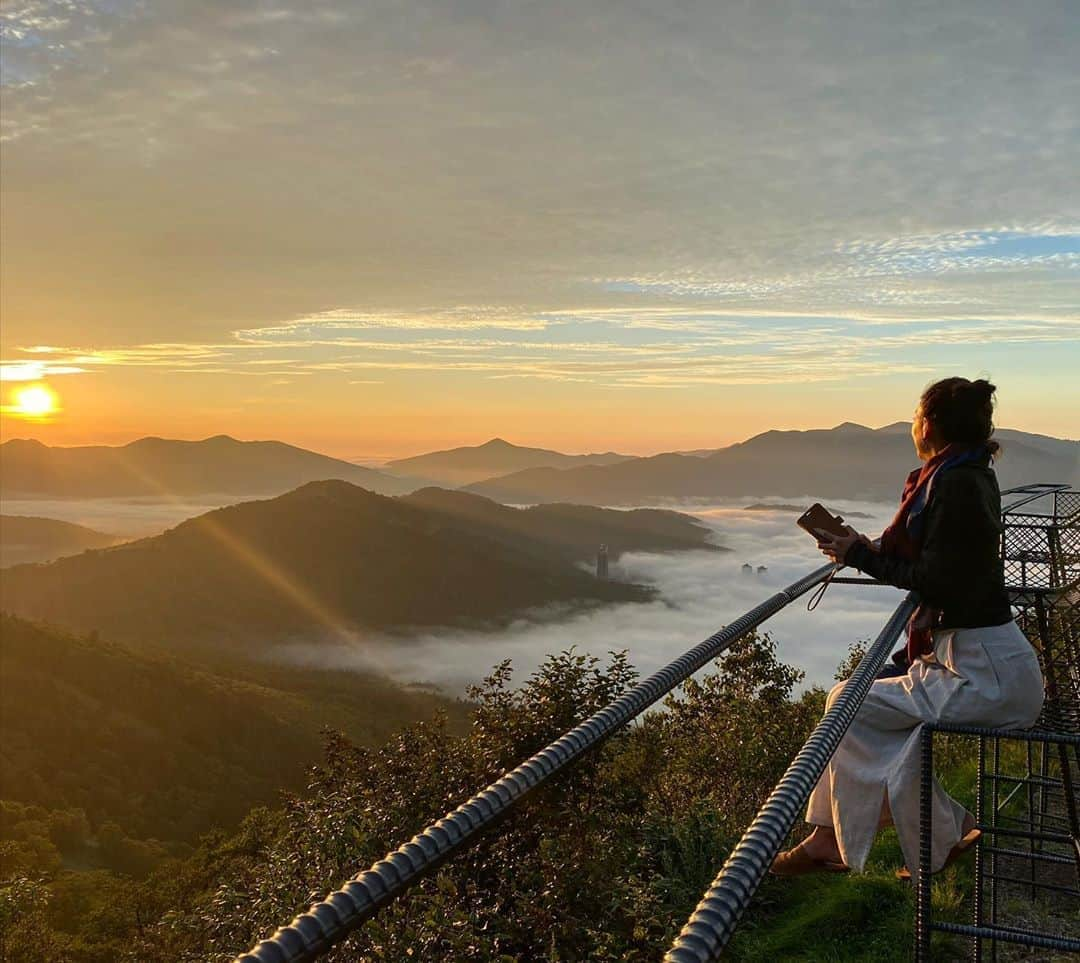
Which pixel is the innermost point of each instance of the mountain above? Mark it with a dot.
(326, 560)
(27, 538)
(568, 532)
(1057, 447)
(462, 466)
(162, 748)
(799, 509)
(164, 466)
(849, 461)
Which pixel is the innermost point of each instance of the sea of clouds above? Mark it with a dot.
(698, 593)
(133, 517)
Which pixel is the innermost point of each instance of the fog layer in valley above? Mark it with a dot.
(135, 517)
(700, 592)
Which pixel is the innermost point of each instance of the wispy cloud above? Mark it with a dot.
(910, 277)
(606, 194)
(35, 370)
(625, 348)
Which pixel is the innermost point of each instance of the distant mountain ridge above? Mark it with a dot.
(848, 461)
(164, 466)
(330, 559)
(462, 466)
(29, 538)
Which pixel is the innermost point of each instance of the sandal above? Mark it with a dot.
(969, 840)
(797, 862)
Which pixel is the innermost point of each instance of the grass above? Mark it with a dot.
(870, 916)
(862, 916)
(866, 916)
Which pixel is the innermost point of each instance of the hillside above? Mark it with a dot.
(848, 461)
(569, 532)
(328, 560)
(605, 865)
(462, 466)
(162, 748)
(163, 466)
(25, 538)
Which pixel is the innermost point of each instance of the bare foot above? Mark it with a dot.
(821, 844)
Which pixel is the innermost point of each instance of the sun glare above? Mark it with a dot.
(35, 401)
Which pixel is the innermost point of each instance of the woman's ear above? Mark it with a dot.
(930, 437)
(924, 427)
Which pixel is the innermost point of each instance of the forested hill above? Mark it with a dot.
(605, 865)
(162, 748)
(326, 560)
(571, 532)
(25, 538)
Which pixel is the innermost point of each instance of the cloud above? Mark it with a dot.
(352, 163)
(626, 348)
(901, 277)
(35, 370)
(699, 593)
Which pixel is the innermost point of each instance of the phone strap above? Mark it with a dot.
(820, 591)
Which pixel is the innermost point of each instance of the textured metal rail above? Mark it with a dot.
(711, 925)
(312, 933)
(1007, 934)
(1018, 735)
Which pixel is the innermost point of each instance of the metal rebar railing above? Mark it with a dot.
(711, 925)
(312, 933)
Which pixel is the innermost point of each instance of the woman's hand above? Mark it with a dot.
(836, 546)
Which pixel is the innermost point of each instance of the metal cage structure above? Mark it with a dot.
(1027, 863)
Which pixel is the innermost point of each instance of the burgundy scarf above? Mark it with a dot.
(903, 538)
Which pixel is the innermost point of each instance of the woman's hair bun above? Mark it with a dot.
(962, 410)
(982, 389)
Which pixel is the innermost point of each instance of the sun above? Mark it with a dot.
(35, 401)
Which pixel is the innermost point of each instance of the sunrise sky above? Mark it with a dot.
(377, 228)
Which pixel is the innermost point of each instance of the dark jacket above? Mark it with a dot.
(959, 569)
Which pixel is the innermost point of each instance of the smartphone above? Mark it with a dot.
(817, 519)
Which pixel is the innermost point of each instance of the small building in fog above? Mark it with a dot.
(761, 570)
(747, 568)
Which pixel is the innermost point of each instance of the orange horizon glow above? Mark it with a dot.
(371, 424)
(376, 449)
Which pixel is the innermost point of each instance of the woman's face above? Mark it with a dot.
(919, 435)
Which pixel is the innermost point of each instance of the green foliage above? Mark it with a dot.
(26, 935)
(604, 863)
(161, 749)
(854, 656)
(33, 839)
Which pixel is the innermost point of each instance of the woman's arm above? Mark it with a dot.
(955, 518)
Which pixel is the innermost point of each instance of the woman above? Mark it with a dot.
(966, 661)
